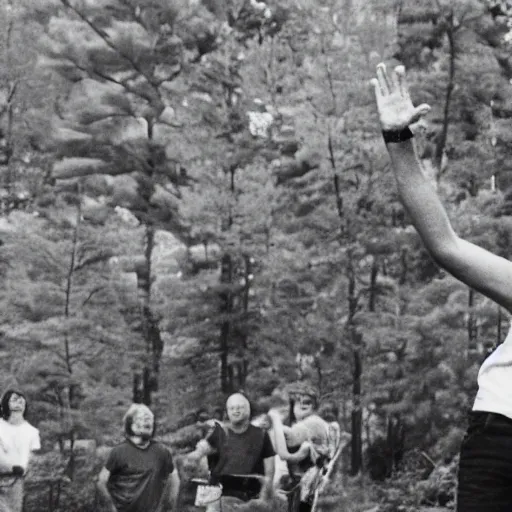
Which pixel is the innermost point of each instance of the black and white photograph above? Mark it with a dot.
(255, 256)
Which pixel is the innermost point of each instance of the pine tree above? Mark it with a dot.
(123, 117)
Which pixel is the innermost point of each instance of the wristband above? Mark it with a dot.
(397, 135)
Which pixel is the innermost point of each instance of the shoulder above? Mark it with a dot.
(119, 455)
(30, 429)
(257, 433)
(316, 421)
(160, 447)
(216, 433)
(122, 447)
(315, 426)
(215, 426)
(253, 429)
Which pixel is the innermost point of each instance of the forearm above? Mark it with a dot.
(174, 492)
(7, 462)
(281, 447)
(203, 448)
(270, 469)
(481, 270)
(105, 495)
(421, 200)
(295, 457)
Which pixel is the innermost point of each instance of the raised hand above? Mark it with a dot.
(394, 104)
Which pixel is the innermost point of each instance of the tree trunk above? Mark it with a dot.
(372, 300)
(404, 268)
(354, 336)
(146, 383)
(69, 277)
(356, 342)
(471, 324)
(244, 366)
(441, 143)
(357, 411)
(10, 88)
(226, 306)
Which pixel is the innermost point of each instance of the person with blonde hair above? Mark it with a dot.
(139, 475)
(304, 443)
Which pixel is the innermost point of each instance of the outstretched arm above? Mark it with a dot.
(478, 268)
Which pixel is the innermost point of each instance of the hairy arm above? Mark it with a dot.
(476, 267)
(103, 478)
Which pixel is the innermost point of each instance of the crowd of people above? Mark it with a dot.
(287, 448)
(242, 453)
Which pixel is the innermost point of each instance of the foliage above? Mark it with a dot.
(216, 172)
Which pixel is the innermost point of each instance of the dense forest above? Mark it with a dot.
(195, 198)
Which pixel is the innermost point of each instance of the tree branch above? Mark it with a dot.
(105, 37)
(92, 293)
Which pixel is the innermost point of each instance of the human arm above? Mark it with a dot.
(101, 485)
(7, 461)
(268, 455)
(35, 444)
(281, 446)
(203, 449)
(174, 489)
(476, 267)
(269, 465)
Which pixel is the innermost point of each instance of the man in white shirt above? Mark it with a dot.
(485, 468)
(18, 439)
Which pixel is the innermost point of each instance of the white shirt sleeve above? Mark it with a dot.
(35, 442)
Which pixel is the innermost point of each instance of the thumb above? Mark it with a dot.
(420, 111)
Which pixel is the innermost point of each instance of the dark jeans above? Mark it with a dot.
(485, 468)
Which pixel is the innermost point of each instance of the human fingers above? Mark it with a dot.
(376, 87)
(401, 81)
(420, 111)
(382, 77)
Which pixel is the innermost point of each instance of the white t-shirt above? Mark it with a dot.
(18, 441)
(495, 381)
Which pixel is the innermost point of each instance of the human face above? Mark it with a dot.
(303, 407)
(17, 403)
(238, 409)
(143, 424)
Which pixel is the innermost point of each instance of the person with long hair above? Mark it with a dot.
(18, 440)
(304, 444)
(485, 465)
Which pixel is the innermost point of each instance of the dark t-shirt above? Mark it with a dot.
(241, 454)
(138, 476)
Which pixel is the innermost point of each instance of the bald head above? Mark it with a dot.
(238, 409)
